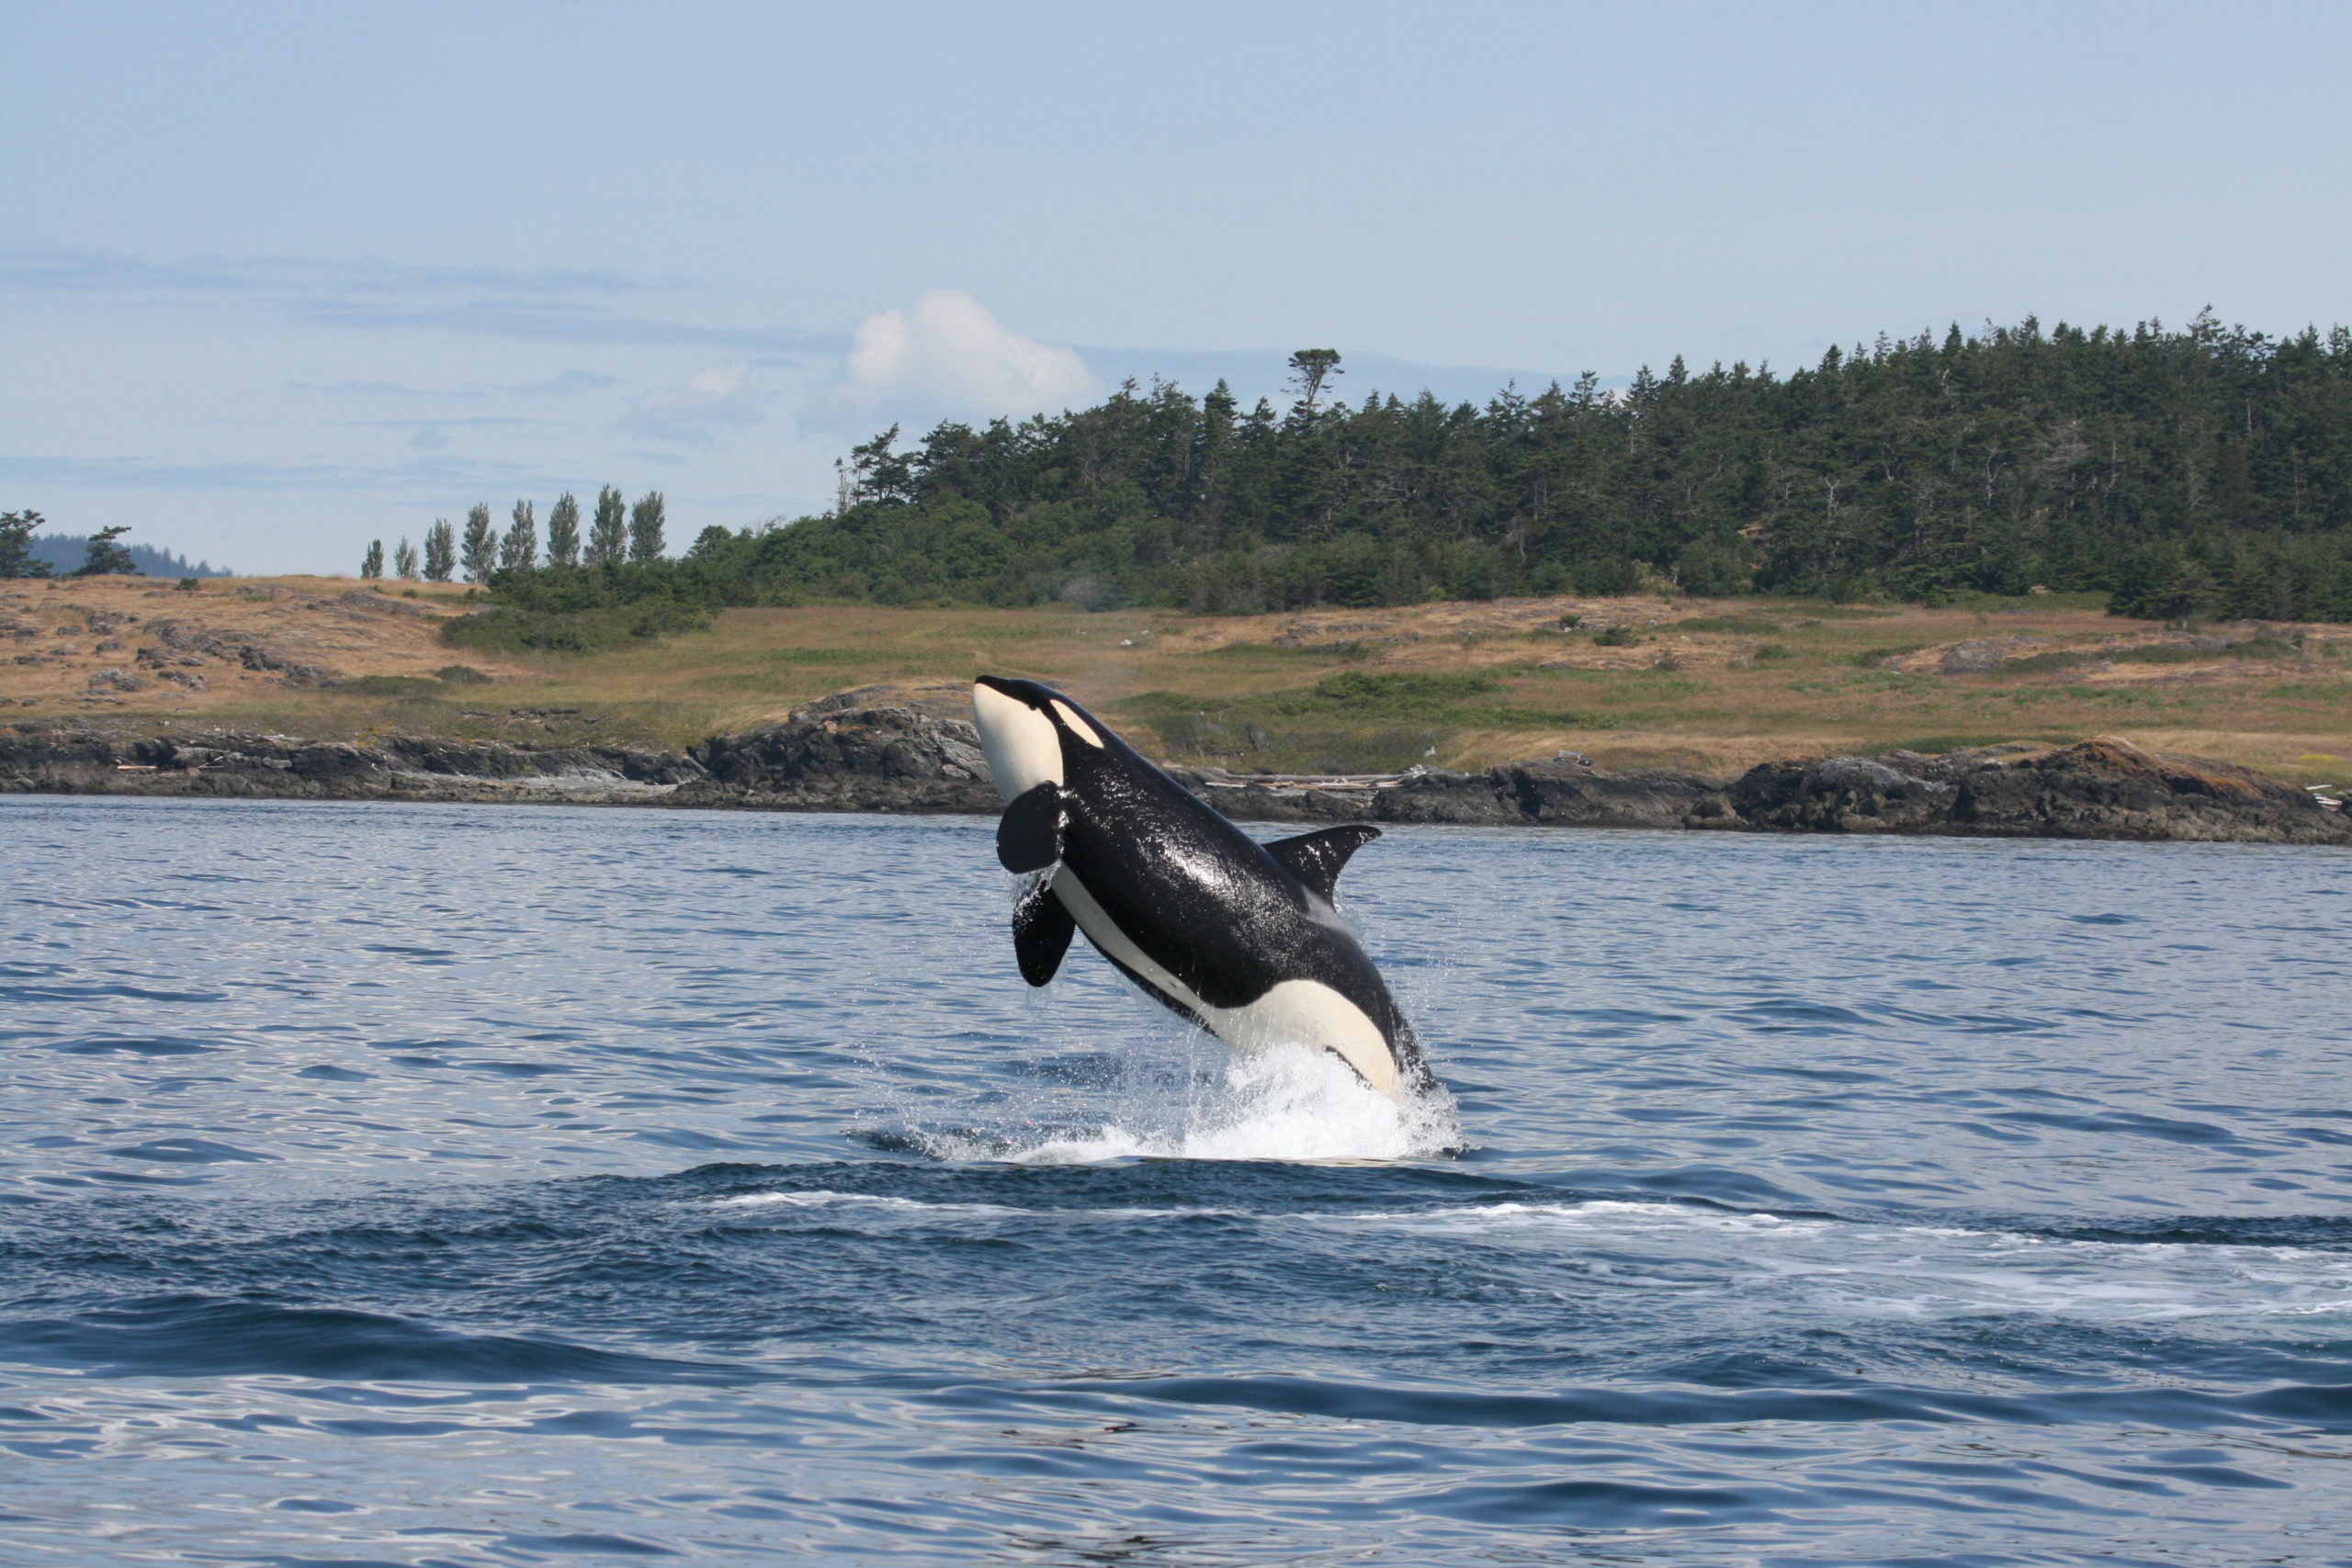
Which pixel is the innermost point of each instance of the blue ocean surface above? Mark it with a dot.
(454, 1185)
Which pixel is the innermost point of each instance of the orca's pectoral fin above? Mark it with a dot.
(1318, 858)
(1030, 836)
(1042, 928)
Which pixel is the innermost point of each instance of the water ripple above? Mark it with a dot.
(467, 1186)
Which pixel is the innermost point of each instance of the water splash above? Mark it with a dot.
(1286, 1103)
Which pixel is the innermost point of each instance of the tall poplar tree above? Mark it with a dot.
(480, 552)
(405, 560)
(645, 525)
(440, 551)
(608, 537)
(563, 531)
(519, 551)
(371, 564)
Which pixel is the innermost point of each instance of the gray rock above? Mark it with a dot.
(2105, 788)
(837, 756)
(1572, 793)
(1842, 795)
(2108, 788)
(1438, 795)
(1971, 658)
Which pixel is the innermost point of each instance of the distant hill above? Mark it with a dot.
(64, 552)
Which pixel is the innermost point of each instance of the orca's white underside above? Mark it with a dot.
(1295, 1013)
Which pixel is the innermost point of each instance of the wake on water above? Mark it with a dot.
(1207, 1102)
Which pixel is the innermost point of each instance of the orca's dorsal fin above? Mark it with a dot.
(1042, 928)
(1318, 858)
(1030, 836)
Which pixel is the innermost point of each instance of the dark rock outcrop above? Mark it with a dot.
(846, 755)
(883, 752)
(1572, 793)
(40, 759)
(2111, 789)
(1841, 794)
(2105, 788)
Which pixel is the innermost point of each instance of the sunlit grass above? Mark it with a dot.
(1719, 685)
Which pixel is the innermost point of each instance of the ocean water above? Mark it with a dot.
(445, 1185)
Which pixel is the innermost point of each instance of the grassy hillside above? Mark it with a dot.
(1717, 686)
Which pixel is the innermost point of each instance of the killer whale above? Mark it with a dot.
(1237, 936)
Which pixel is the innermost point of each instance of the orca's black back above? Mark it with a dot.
(1200, 897)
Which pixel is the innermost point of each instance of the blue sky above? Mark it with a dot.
(279, 279)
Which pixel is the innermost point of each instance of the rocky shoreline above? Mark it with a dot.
(850, 753)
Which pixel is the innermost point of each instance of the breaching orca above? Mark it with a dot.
(1239, 937)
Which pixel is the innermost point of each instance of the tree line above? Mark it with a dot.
(2192, 471)
(619, 533)
(24, 554)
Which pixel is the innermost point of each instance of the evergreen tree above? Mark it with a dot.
(371, 564)
(105, 555)
(480, 551)
(608, 535)
(405, 560)
(519, 551)
(1309, 368)
(440, 551)
(2206, 471)
(645, 525)
(876, 473)
(563, 531)
(16, 557)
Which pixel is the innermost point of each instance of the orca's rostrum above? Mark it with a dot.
(1238, 936)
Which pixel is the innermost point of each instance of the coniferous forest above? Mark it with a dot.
(2201, 471)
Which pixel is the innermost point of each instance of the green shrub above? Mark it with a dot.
(2055, 660)
(1400, 693)
(503, 630)
(1616, 636)
(1752, 625)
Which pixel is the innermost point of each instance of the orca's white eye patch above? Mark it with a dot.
(1077, 725)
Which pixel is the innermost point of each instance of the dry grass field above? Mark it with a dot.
(1714, 686)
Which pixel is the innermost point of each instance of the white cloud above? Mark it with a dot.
(709, 404)
(946, 355)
